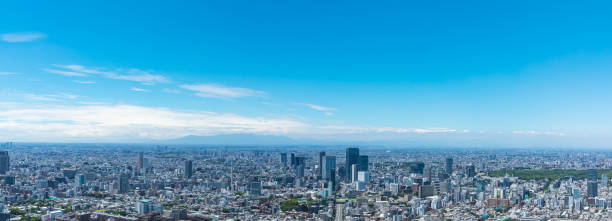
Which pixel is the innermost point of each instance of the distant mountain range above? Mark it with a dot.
(242, 139)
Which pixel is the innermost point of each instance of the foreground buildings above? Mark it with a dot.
(149, 182)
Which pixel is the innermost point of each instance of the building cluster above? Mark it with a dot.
(139, 182)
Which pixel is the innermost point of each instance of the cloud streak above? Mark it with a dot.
(220, 91)
(21, 37)
(315, 107)
(133, 74)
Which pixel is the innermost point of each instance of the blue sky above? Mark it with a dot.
(484, 73)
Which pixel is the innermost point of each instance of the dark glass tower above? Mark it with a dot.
(449, 165)
(188, 168)
(4, 162)
(363, 163)
(591, 183)
(321, 159)
(352, 157)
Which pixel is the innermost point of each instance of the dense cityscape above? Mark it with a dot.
(159, 182)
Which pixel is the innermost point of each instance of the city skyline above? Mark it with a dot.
(482, 74)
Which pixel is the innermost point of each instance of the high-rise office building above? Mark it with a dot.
(320, 169)
(140, 160)
(352, 157)
(4, 162)
(124, 183)
(332, 179)
(471, 171)
(329, 165)
(283, 160)
(591, 183)
(354, 170)
(188, 168)
(300, 164)
(81, 179)
(449, 165)
(292, 159)
(604, 180)
(363, 163)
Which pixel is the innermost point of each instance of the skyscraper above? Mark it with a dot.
(124, 184)
(300, 164)
(352, 157)
(449, 165)
(292, 159)
(471, 171)
(140, 160)
(604, 179)
(4, 162)
(329, 165)
(363, 163)
(321, 158)
(283, 160)
(591, 183)
(188, 168)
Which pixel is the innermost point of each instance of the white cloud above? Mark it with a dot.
(127, 121)
(534, 133)
(139, 89)
(7, 73)
(84, 82)
(220, 91)
(136, 75)
(316, 107)
(22, 37)
(65, 73)
(51, 97)
(98, 121)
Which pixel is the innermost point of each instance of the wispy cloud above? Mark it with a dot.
(7, 73)
(133, 74)
(128, 121)
(139, 89)
(51, 97)
(220, 91)
(65, 73)
(535, 133)
(84, 82)
(21, 37)
(315, 107)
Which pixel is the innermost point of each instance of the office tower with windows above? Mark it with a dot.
(354, 170)
(604, 180)
(471, 171)
(292, 159)
(352, 157)
(140, 160)
(591, 183)
(4, 162)
(320, 169)
(283, 160)
(188, 168)
(124, 183)
(363, 163)
(300, 164)
(329, 165)
(449, 165)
